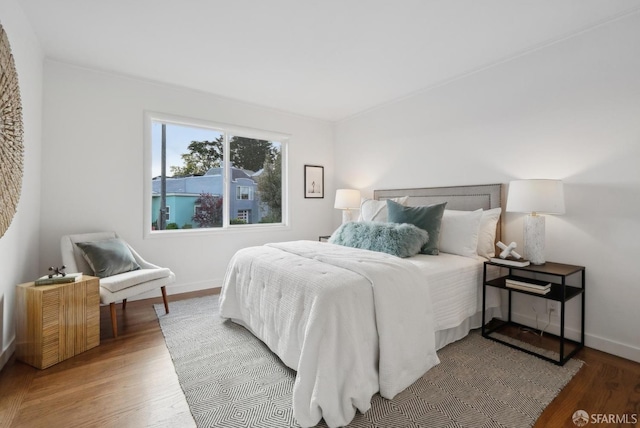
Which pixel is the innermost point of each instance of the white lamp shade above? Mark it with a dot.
(347, 199)
(536, 196)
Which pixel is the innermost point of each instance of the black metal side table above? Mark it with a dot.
(560, 292)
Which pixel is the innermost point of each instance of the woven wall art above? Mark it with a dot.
(11, 148)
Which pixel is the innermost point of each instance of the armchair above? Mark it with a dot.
(121, 286)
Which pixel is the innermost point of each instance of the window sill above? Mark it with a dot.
(155, 234)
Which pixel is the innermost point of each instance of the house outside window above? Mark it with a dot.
(213, 175)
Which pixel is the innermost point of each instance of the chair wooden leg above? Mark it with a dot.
(114, 321)
(164, 298)
(124, 304)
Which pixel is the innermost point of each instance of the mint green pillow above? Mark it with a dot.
(401, 240)
(108, 257)
(428, 218)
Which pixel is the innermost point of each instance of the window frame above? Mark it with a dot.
(227, 129)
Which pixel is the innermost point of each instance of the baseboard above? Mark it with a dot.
(7, 353)
(194, 286)
(609, 346)
(612, 347)
(180, 288)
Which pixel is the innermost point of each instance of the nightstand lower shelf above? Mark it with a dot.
(531, 349)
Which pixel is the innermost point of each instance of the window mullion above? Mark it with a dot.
(226, 203)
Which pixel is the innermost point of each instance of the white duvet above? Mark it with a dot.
(350, 322)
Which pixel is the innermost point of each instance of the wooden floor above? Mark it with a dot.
(130, 382)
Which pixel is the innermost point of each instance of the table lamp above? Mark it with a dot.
(535, 197)
(347, 200)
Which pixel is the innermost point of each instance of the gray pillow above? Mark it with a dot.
(402, 240)
(428, 218)
(108, 257)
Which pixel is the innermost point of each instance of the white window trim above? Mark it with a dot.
(150, 117)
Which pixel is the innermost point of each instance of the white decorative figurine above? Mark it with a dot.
(508, 250)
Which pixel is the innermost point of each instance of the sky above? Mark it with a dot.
(178, 138)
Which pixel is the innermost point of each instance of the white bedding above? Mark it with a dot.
(351, 322)
(314, 305)
(454, 282)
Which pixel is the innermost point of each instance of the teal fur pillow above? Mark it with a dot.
(428, 218)
(108, 257)
(402, 240)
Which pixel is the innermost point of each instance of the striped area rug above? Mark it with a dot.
(231, 379)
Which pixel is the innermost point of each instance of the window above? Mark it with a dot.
(208, 176)
(243, 216)
(244, 193)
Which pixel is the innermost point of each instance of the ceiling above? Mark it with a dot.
(328, 59)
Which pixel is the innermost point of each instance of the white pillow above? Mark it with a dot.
(487, 232)
(459, 232)
(372, 210)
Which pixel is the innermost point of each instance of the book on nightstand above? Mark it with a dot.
(529, 289)
(58, 279)
(510, 261)
(528, 284)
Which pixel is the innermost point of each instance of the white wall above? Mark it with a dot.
(93, 160)
(19, 245)
(569, 111)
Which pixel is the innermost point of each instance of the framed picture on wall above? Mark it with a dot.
(313, 181)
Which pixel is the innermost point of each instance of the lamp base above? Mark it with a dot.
(346, 216)
(534, 239)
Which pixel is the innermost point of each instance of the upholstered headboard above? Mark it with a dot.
(464, 198)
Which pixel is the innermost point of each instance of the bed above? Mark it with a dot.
(353, 322)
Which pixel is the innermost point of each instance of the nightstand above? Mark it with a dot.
(560, 292)
(56, 322)
(324, 238)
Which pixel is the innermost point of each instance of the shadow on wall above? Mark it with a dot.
(609, 211)
(1, 326)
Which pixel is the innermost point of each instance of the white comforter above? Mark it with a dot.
(350, 322)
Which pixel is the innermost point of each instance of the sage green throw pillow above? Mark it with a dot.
(108, 257)
(428, 218)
